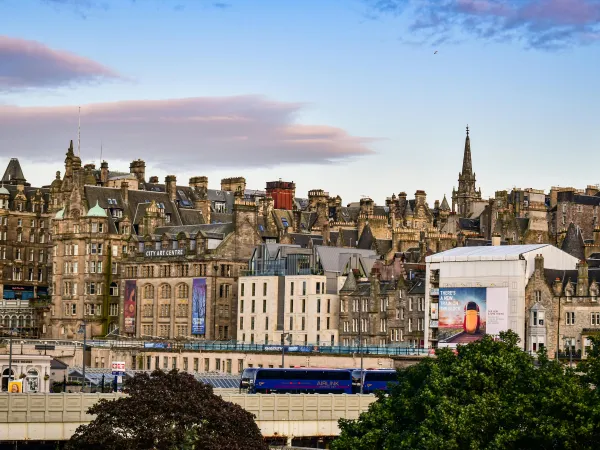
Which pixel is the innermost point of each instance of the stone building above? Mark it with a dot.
(562, 309)
(580, 208)
(184, 278)
(109, 227)
(24, 252)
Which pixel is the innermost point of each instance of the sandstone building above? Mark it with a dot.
(24, 252)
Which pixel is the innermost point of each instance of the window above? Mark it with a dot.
(595, 318)
(537, 318)
(304, 288)
(114, 290)
(410, 304)
(264, 306)
(291, 323)
(165, 291)
(253, 308)
(183, 291)
(318, 305)
(570, 320)
(292, 288)
(114, 310)
(291, 305)
(537, 296)
(266, 323)
(318, 323)
(410, 325)
(242, 289)
(149, 291)
(241, 323)
(253, 289)
(264, 288)
(328, 305)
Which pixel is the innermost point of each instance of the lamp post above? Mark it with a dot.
(286, 337)
(360, 342)
(83, 355)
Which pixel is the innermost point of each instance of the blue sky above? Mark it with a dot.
(343, 95)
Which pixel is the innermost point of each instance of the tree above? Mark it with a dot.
(165, 411)
(489, 395)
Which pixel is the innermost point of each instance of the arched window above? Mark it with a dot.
(183, 291)
(114, 289)
(148, 291)
(33, 381)
(165, 291)
(5, 378)
(28, 323)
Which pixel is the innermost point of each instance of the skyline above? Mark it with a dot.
(354, 97)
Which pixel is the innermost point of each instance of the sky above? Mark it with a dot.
(355, 97)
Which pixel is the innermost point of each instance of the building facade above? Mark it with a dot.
(24, 253)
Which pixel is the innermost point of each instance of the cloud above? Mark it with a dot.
(30, 64)
(543, 24)
(238, 131)
(83, 7)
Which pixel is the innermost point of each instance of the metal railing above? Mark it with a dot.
(234, 346)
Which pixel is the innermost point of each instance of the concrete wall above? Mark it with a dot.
(56, 416)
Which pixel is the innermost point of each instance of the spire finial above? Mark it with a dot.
(467, 129)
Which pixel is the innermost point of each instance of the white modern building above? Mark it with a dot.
(271, 308)
(496, 266)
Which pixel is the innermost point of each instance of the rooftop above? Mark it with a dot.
(498, 253)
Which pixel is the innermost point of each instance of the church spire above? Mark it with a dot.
(467, 168)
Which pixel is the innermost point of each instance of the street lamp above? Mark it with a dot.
(83, 329)
(286, 337)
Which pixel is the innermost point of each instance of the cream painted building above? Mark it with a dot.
(34, 370)
(272, 307)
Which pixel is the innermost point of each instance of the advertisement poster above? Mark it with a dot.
(15, 387)
(129, 306)
(199, 306)
(467, 314)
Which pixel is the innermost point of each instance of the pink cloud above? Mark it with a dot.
(214, 131)
(31, 64)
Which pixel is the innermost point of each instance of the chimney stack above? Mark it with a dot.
(125, 192)
(171, 187)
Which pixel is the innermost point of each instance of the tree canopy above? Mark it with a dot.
(488, 395)
(165, 411)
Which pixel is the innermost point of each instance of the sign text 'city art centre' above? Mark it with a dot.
(163, 253)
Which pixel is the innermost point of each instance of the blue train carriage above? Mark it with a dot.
(301, 381)
(378, 380)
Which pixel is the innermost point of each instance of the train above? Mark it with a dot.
(472, 319)
(315, 381)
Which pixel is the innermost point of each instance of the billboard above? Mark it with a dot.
(129, 306)
(118, 367)
(199, 306)
(467, 314)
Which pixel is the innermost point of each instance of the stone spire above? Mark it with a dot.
(463, 198)
(467, 167)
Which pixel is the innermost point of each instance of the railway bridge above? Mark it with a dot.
(283, 418)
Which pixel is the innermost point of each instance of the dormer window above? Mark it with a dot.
(220, 207)
(94, 227)
(168, 218)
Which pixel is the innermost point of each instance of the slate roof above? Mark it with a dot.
(573, 243)
(468, 224)
(13, 172)
(418, 287)
(366, 238)
(349, 237)
(304, 240)
(217, 231)
(330, 257)
(570, 275)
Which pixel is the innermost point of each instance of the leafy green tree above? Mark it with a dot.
(168, 411)
(489, 395)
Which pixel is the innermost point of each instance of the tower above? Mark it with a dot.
(463, 198)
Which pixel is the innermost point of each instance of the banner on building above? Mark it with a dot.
(129, 306)
(199, 306)
(467, 314)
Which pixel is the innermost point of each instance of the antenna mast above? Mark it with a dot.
(79, 134)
